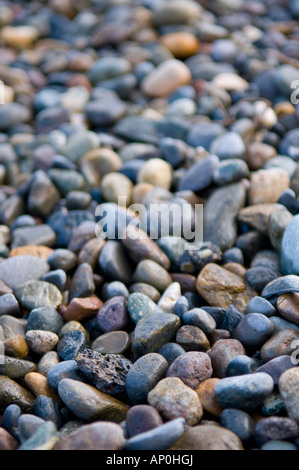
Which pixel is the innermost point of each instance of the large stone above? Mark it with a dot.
(17, 270)
(166, 78)
(208, 437)
(289, 248)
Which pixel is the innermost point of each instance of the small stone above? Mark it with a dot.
(64, 225)
(192, 338)
(222, 352)
(206, 437)
(289, 389)
(13, 326)
(107, 372)
(40, 341)
(140, 306)
(181, 44)
(221, 288)
(142, 418)
(266, 186)
(63, 370)
(90, 252)
(114, 342)
(113, 315)
(260, 305)
(114, 264)
(35, 294)
(239, 422)
(82, 284)
(227, 146)
(39, 251)
(192, 368)
(45, 318)
(145, 289)
(200, 318)
(273, 405)
(21, 37)
(289, 251)
(149, 272)
(7, 442)
(276, 367)
(258, 216)
(10, 419)
(13, 393)
(200, 175)
(62, 259)
(288, 307)
(43, 195)
(9, 305)
(47, 361)
(44, 438)
(36, 235)
(82, 308)
(58, 278)
(274, 429)
(279, 345)
(244, 392)
(156, 172)
(16, 346)
(87, 403)
(241, 365)
(166, 78)
(253, 331)
(17, 270)
(97, 436)
(278, 445)
(259, 276)
(230, 171)
(176, 13)
(144, 375)
(15, 368)
(173, 399)
(171, 351)
(206, 393)
(38, 385)
(231, 320)
(116, 185)
(47, 409)
(278, 223)
(71, 344)
(27, 425)
(159, 438)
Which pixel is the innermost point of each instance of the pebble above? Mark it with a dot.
(206, 393)
(90, 252)
(140, 306)
(37, 235)
(230, 171)
(275, 428)
(200, 318)
(89, 404)
(113, 315)
(229, 145)
(112, 289)
(141, 419)
(115, 186)
(64, 224)
(63, 370)
(221, 354)
(9, 305)
(253, 331)
(288, 307)
(289, 251)
(171, 351)
(260, 305)
(16, 368)
(13, 326)
(10, 419)
(273, 405)
(278, 223)
(241, 365)
(175, 13)
(244, 392)
(266, 186)
(276, 367)
(101, 435)
(17, 270)
(114, 263)
(62, 259)
(221, 288)
(192, 368)
(279, 345)
(239, 422)
(152, 273)
(45, 318)
(47, 361)
(36, 294)
(7, 442)
(114, 342)
(156, 83)
(156, 172)
(71, 344)
(192, 338)
(16, 346)
(220, 212)
(82, 284)
(107, 372)
(44, 438)
(43, 195)
(146, 372)
(38, 385)
(13, 393)
(278, 445)
(281, 324)
(289, 388)
(159, 438)
(200, 175)
(27, 425)
(206, 437)
(173, 399)
(40, 341)
(231, 319)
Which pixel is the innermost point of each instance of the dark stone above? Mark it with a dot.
(239, 422)
(253, 331)
(71, 344)
(142, 418)
(113, 314)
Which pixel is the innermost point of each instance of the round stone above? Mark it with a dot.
(192, 368)
(200, 318)
(142, 418)
(276, 367)
(289, 389)
(289, 248)
(71, 344)
(40, 341)
(166, 78)
(115, 186)
(253, 331)
(173, 399)
(152, 273)
(222, 352)
(140, 306)
(114, 342)
(17, 270)
(46, 319)
(35, 294)
(239, 422)
(275, 428)
(279, 345)
(156, 172)
(47, 361)
(206, 393)
(113, 315)
(13, 393)
(181, 44)
(208, 437)
(288, 307)
(192, 338)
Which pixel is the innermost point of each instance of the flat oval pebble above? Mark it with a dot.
(35, 294)
(114, 342)
(97, 436)
(142, 418)
(207, 437)
(17, 270)
(245, 392)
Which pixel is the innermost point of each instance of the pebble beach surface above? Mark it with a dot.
(140, 342)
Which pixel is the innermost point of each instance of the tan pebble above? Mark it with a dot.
(288, 307)
(181, 44)
(208, 437)
(40, 341)
(236, 268)
(90, 252)
(47, 361)
(268, 185)
(38, 385)
(166, 78)
(7, 442)
(258, 153)
(21, 37)
(16, 346)
(140, 191)
(230, 82)
(99, 162)
(258, 216)
(221, 288)
(115, 186)
(42, 252)
(206, 393)
(156, 172)
(284, 107)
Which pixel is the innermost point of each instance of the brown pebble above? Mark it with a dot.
(192, 368)
(258, 216)
(208, 437)
(206, 393)
(38, 385)
(7, 442)
(90, 252)
(258, 153)
(181, 44)
(4, 289)
(81, 308)
(186, 281)
(266, 186)
(16, 346)
(192, 338)
(216, 335)
(39, 251)
(288, 307)
(222, 352)
(279, 345)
